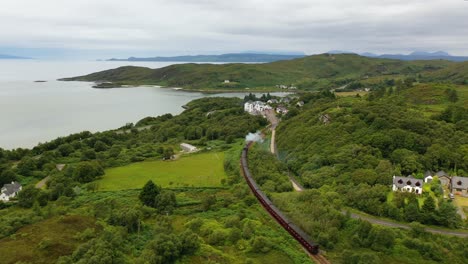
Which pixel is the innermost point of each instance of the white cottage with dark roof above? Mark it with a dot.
(407, 184)
(9, 191)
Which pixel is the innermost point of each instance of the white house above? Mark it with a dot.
(256, 107)
(281, 110)
(407, 184)
(9, 191)
(188, 148)
(226, 81)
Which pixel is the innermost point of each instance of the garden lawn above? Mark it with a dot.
(198, 170)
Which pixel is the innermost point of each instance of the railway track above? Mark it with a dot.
(319, 259)
(309, 246)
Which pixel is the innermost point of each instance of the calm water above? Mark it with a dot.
(32, 112)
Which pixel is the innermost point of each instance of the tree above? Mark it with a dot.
(447, 215)
(166, 201)
(189, 242)
(208, 201)
(65, 149)
(26, 166)
(129, 218)
(100, 146)
(87, 171)
(428, 210)
(452, 95)
(148, 194)
(7, 176)
(412, 211)
(168, 153)
(27, 196)
(88, 154)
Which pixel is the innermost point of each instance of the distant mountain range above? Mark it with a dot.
(230, 57)
(417, 55)
(11, 57)
(262, 57)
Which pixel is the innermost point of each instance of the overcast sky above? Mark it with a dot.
(121, 28)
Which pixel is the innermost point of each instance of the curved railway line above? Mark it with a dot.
(311, 247)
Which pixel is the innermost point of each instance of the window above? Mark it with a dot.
(400, 181)
(408, 182)
(417, 191)
(459, 183)
(418, 184)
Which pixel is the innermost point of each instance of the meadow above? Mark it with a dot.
(45, 241)
(197, 170)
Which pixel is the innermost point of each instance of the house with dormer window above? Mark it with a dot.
(407, 184)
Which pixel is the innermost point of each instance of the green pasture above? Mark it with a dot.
(198, 170)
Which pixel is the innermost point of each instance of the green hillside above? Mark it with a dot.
(456, 73)
(308, 73)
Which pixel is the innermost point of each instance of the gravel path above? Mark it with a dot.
(42, 183)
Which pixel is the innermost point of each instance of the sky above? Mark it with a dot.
(100, 29)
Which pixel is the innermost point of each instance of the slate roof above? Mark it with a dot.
(10, 188)
(428, 173)
(459, 182)
(441, 173)
(401, 182)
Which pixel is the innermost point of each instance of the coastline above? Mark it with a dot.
(203, 91)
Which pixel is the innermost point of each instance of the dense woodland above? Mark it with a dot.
(321, 212)
(357, 144)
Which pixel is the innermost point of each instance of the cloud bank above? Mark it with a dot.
(200, 26)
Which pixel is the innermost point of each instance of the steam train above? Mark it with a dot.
(295, 231)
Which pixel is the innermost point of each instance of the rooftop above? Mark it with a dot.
(401, 182)
(11, 188)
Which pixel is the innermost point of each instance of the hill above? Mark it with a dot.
(230, 57)
(416, 55)
(456, 73)
(308, 73)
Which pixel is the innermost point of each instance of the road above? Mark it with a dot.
(383, 222)
(42, 183)
(299, 188)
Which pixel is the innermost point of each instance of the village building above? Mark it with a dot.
(281, 110)
(188, 148)
(300, 104)
(226, 81)
(407, 184)
(325, 118)
(59, 167)
(272, 101)
(256, 107)
(9, 191)
(428, 177)
(459, 185)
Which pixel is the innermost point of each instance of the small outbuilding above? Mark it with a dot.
(188, 148)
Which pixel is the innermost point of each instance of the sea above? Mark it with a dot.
(33, 112)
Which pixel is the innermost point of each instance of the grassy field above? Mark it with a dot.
(45, 241)
(198, 170)
(345, 94)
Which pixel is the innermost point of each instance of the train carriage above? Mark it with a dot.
(292, 229)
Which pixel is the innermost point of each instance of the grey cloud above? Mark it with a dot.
(198, 25)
